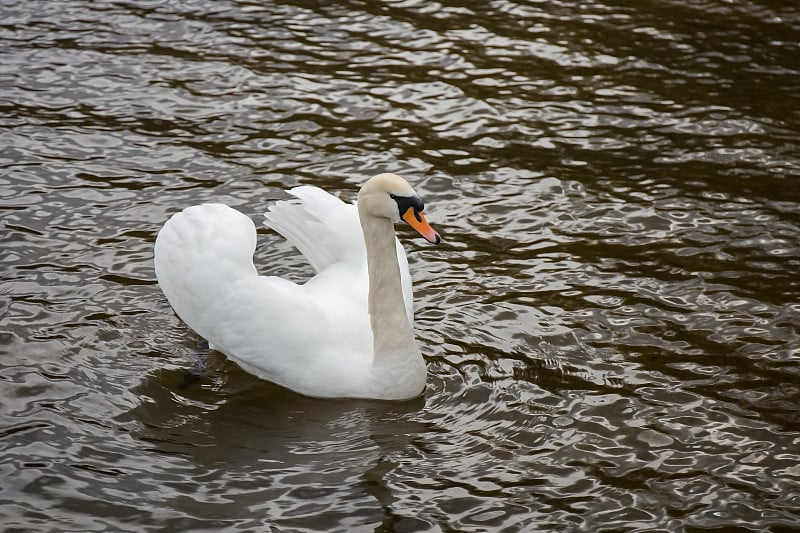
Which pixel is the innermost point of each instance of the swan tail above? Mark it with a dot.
(322, 227)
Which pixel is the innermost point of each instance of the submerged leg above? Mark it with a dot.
(198, 369)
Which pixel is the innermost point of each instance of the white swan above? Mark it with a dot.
(346, 332)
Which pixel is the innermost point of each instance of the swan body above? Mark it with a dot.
(346, 332)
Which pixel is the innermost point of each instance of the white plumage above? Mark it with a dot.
(328, 337)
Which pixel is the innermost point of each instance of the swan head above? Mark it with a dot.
(390, 196)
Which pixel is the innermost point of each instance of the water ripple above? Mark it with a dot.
(611, 322)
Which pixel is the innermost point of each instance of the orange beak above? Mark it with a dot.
(417, 221)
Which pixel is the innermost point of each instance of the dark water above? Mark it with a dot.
(612, 324)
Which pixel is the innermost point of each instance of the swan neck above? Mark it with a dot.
(392, 334)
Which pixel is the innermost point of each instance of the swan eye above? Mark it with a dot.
(406, 202)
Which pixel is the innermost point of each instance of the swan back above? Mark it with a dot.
(322, 227)
(327, 231)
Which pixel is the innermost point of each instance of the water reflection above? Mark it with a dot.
(257, 448)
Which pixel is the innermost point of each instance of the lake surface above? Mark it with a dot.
(611, 325)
